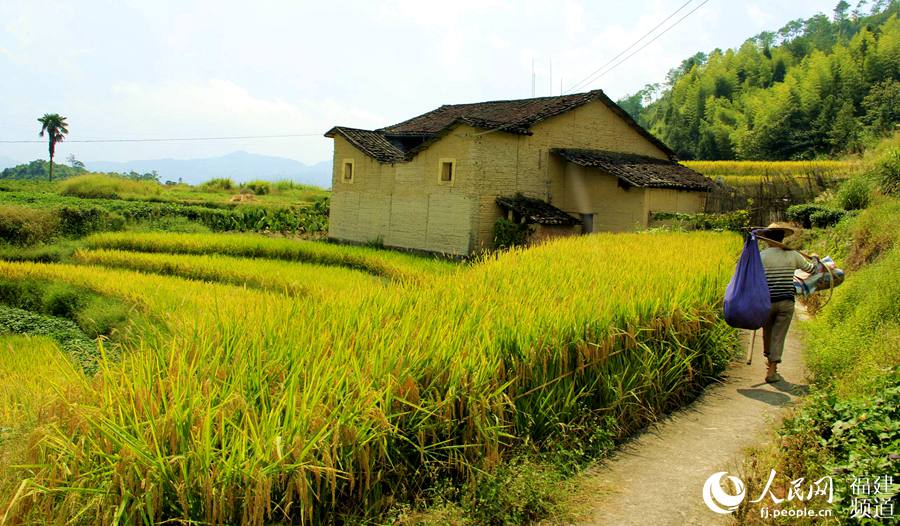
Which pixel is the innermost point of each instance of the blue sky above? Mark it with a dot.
(158, 68)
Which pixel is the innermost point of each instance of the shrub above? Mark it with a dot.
(101, 317)
(854, 194)
(737, 221)
(25, 294)
(62, 301)
(219, 183)
(80, 221)
(22, 225)
(40, 253)
(824, 215)
(825, 218)
(94, 186)
(886, 171)
(509, 234)
(94, 314)
(258, 187)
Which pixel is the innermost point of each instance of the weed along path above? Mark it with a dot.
(658, 477)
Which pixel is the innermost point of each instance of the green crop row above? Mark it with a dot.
(306, 219)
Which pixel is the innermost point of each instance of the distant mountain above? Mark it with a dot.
(239, 166)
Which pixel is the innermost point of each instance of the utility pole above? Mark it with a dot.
(532, 77)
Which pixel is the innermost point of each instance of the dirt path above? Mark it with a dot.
(658, 478)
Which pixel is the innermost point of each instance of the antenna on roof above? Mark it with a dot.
(532, 76)
(551, 76)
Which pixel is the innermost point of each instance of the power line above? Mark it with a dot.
(610, 61)
(177, 139)
(511, 124)
(590, 78)
(614, 66)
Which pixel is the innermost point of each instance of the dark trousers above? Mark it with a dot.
(776, 328)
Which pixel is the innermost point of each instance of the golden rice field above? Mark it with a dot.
(275, 275)
(390, 264)
(253, 406)
(762, 169)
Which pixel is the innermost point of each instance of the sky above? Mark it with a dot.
(124, 69)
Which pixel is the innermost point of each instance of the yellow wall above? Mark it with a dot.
(405, 205)
(523, 163)
(665, 200)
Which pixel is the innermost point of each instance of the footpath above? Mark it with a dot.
(658, 477)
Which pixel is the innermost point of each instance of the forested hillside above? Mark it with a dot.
(816, 87)
(40, 170)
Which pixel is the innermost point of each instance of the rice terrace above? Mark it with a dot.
(497, 312)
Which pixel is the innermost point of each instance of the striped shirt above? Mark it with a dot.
(780, 265)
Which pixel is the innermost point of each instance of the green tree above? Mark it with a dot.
(882, 107)
(844, 134)
(73, 162)
(815, 87)
(56, 128)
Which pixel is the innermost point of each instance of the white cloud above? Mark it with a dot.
(223, 67)
(574, 18)
(757, 14)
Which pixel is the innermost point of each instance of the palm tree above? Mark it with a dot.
(56, 128)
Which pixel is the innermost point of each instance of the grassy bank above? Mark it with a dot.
(849, 427)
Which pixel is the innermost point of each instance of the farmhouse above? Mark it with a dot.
(440, 181)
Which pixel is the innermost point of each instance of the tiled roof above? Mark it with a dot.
(400, 142)
(535, 210)
(638, 170)
(514, 116)
(373, 143)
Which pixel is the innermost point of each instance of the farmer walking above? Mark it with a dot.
(779, 263)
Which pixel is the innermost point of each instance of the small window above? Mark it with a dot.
(447, 170)
(347, 171)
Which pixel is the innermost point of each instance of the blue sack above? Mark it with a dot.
(747, 301)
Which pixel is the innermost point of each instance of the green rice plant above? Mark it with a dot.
(278, 276)
(256, 407)
(387, 263)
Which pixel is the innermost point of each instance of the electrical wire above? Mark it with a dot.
(638, 50)
(587, 80)
(176, 139)
(575, 86)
